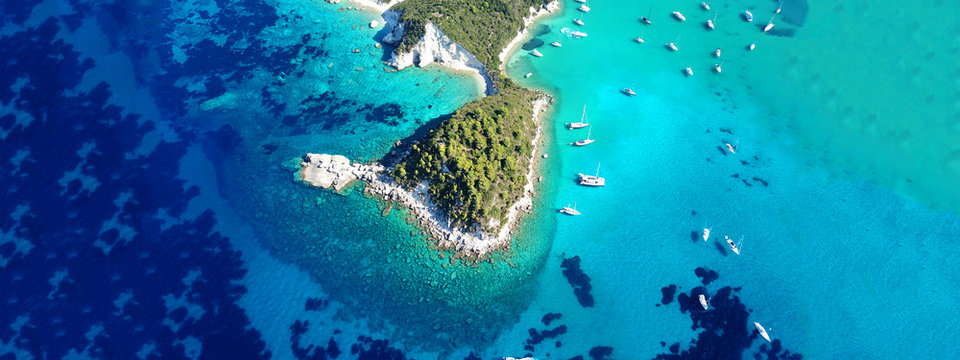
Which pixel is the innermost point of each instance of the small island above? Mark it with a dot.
(469, 179)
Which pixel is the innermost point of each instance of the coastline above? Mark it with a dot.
(371, 4)
(337, 172)
(535, 15)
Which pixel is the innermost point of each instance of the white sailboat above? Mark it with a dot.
(710, 21)
(587, 141)
(579, 21)
(583, 121)
(706, 234)
(688, 71)
(628, 92)
(763, 332)
(640, 38)
(752, 46)
(717, 67)
(769, 24)
(557, 43)
(536, 53)
(704, 302)
(716, 53)
(679, 16)
(673, 46)
(748, 16)
(705, 5)
(734, 247)
(570, 210)
(731, 148)
(584, 8)
(646, 19)
(592, 180)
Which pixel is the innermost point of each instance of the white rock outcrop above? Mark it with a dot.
(336, 171)
(435, 47)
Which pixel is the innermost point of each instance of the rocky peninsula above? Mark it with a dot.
(469, 180)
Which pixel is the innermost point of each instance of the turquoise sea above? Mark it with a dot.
(152, 212)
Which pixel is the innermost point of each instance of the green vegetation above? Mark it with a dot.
(476, 161)
(483, 27)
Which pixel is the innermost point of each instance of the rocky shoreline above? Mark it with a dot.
(337, 172)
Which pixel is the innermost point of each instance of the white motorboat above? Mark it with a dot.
(586, 141)
(748, 16)
(706, 234)
(528, 75)
(536, 53)
(677, 15)
(717, 68)
(579, 21)
(710, 21)
(703, 302)
(639, 39)
(583, 121)
(752, 46)
(556, 44)
(768, 27)
(716, 53)
(762, 331)
(736, 250)
(672, 46)
(688, 71)
(584, 8)
(704, 5)
(570, 210)
(628, 92)
(592, 180)
(581, 1)
(731, 148)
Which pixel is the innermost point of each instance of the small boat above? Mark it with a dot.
(583, 121)
(639, 39)
(536, 53)
(556, 44)
(579, 21)
(592, 180)
(584, 8)
(710, 21)
(705, 6)
(752, 46)
(717, 68)
(586, 141)
(671, 46)
(780, 7)
(736, 250)
(646, 19)
(688, 71)
(748, 16)
(706, 234)
(703, 302)
(570, 210)
(628, 92)
(716, 53)
(769, 26)
(731, 148)
(679, 16)
(763, 332)
(528, 75)
(578, 34)
(581, 1)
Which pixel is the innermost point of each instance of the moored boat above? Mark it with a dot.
(646, 19)
(579, 21)
(731, 148)
(703, 302)
(585, 142)
(717, 68)
(536, 53)
(716, 53)
(677, 15)
(583, 121)
(556, 44)
(570, 210)
(584, 8)
(752, 46)
(706, 234)
(762, 331)
(748, 16)
(688, 71)
(704, 5)
(592, 180)
(528, 75)
(736, 250)
(671, 46)
(628, 92)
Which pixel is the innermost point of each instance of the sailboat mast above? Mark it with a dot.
(598, 169)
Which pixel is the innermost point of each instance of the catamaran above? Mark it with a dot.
(748, 16)
(570, 210)
(584, 8)
(585, 142)
(583, 121)
(592, 180)
(763, 332)
(734, 247)
(646, 19)
(536, 53)
(688, 71)
(706, 234)
(679, 16)
(704, 302)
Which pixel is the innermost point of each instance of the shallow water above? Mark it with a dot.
(145, 222)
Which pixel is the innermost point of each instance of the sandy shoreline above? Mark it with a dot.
(551, 8)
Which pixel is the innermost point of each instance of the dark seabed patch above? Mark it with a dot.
(667, 294)
(579, 280)
(723, 332)
(532, 44)
(706, 275)
(549, 317)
